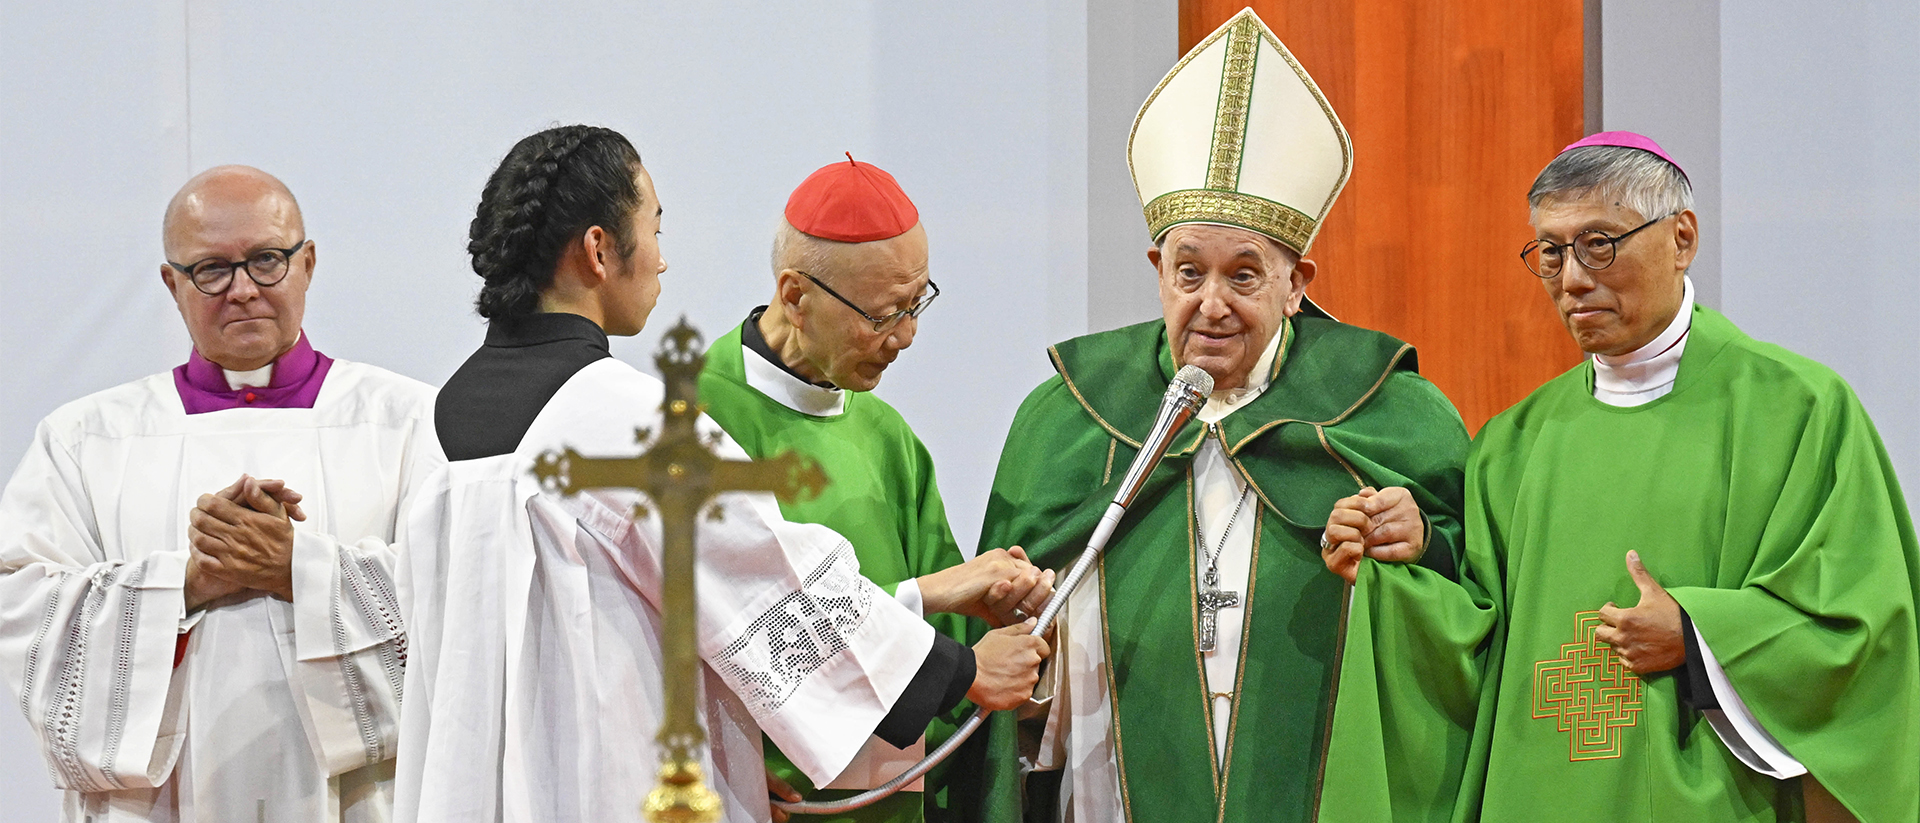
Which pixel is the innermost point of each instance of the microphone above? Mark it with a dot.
(1182, 400)
(1184, 395)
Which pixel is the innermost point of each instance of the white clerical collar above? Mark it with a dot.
(790, 391)
(256, 378)
(1647, 373)
(1223, 403)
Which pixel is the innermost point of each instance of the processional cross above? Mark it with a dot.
(679, 473)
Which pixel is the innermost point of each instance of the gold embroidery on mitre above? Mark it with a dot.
(1281, 222)
(1588, 693)
(1236, 95)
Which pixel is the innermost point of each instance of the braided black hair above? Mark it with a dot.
(549, 190)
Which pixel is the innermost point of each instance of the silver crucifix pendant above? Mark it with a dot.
(1212, 600)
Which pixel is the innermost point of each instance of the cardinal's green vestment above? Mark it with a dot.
(1758, 494)
(1346, 408)
(883, 499)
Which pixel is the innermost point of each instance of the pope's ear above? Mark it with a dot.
(1153, 256)
(1303, 273)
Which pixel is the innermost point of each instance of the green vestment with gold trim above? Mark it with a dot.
(1346, 408)
(883, 499)
(1758, 494)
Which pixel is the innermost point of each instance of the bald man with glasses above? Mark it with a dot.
(851, 282)
(198, 611)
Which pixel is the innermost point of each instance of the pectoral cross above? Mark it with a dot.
(679, 473)
(1212, 600)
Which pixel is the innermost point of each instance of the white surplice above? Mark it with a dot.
(278, 711)
(534, 683)
(1078, 737)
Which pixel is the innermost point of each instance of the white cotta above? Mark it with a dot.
(534, 681)
(278, 711)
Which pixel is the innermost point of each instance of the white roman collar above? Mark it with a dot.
(1223, 403)
(806, 398)
(256, 378)
(1647, 373)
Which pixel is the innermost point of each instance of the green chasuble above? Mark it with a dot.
(1758, 494)
(1346, 408)
(883, 499)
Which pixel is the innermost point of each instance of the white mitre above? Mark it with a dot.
(1238, 135)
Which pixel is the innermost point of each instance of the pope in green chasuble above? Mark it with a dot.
(1758, 494)
(1345, 409)
(883, 499)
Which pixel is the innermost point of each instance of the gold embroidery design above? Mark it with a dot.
(1230, 117)
(1588, 693)
(1279, 221)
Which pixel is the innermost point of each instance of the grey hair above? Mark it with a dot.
(1639, 180)
(794, 249)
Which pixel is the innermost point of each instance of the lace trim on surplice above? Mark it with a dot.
(800, 633)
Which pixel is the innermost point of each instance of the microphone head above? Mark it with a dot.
(1196, 377)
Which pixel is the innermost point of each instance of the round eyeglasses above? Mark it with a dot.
(1594, 249)
(265, 267)
(884, 322)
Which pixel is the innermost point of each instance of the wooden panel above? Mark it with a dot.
(1454, 106)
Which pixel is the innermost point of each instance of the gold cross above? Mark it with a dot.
(679, 473)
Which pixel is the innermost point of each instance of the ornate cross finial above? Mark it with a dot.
(679, 472)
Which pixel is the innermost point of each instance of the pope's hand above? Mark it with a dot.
(1647, 636)
(245, 532)
(1006, 667)
(992, 587)
(1384, 525)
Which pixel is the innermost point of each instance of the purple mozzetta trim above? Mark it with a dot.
(295, 384)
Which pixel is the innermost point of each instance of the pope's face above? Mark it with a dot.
(881, 278)
(1622, 307)
(1225, 293)
(248, 325)
(634, 280)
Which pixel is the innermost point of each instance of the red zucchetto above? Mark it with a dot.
(851, 202)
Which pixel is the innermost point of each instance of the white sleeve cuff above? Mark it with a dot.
(1738, 728)
(908, 594)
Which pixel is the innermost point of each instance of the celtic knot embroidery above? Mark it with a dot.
(1587, 692)
(800, 633)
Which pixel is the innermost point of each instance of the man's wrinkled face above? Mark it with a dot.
(1225, 293)
(1624, 306)
(635, 279)
(881, 278)
(249, 325)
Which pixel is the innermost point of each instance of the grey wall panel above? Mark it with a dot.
(1821, 156)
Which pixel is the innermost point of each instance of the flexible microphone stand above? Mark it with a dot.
(1183, 398)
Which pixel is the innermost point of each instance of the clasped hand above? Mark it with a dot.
(1000, 586)
(240, 538)
(1384, 525)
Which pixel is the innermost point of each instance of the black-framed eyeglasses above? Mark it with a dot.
(265, 267)
(1594, 249)
(881, 324)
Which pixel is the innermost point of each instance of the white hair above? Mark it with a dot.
(1639, 180)
(795, 249)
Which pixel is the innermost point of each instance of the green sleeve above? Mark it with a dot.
(1819, 637)
(1411, 664)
